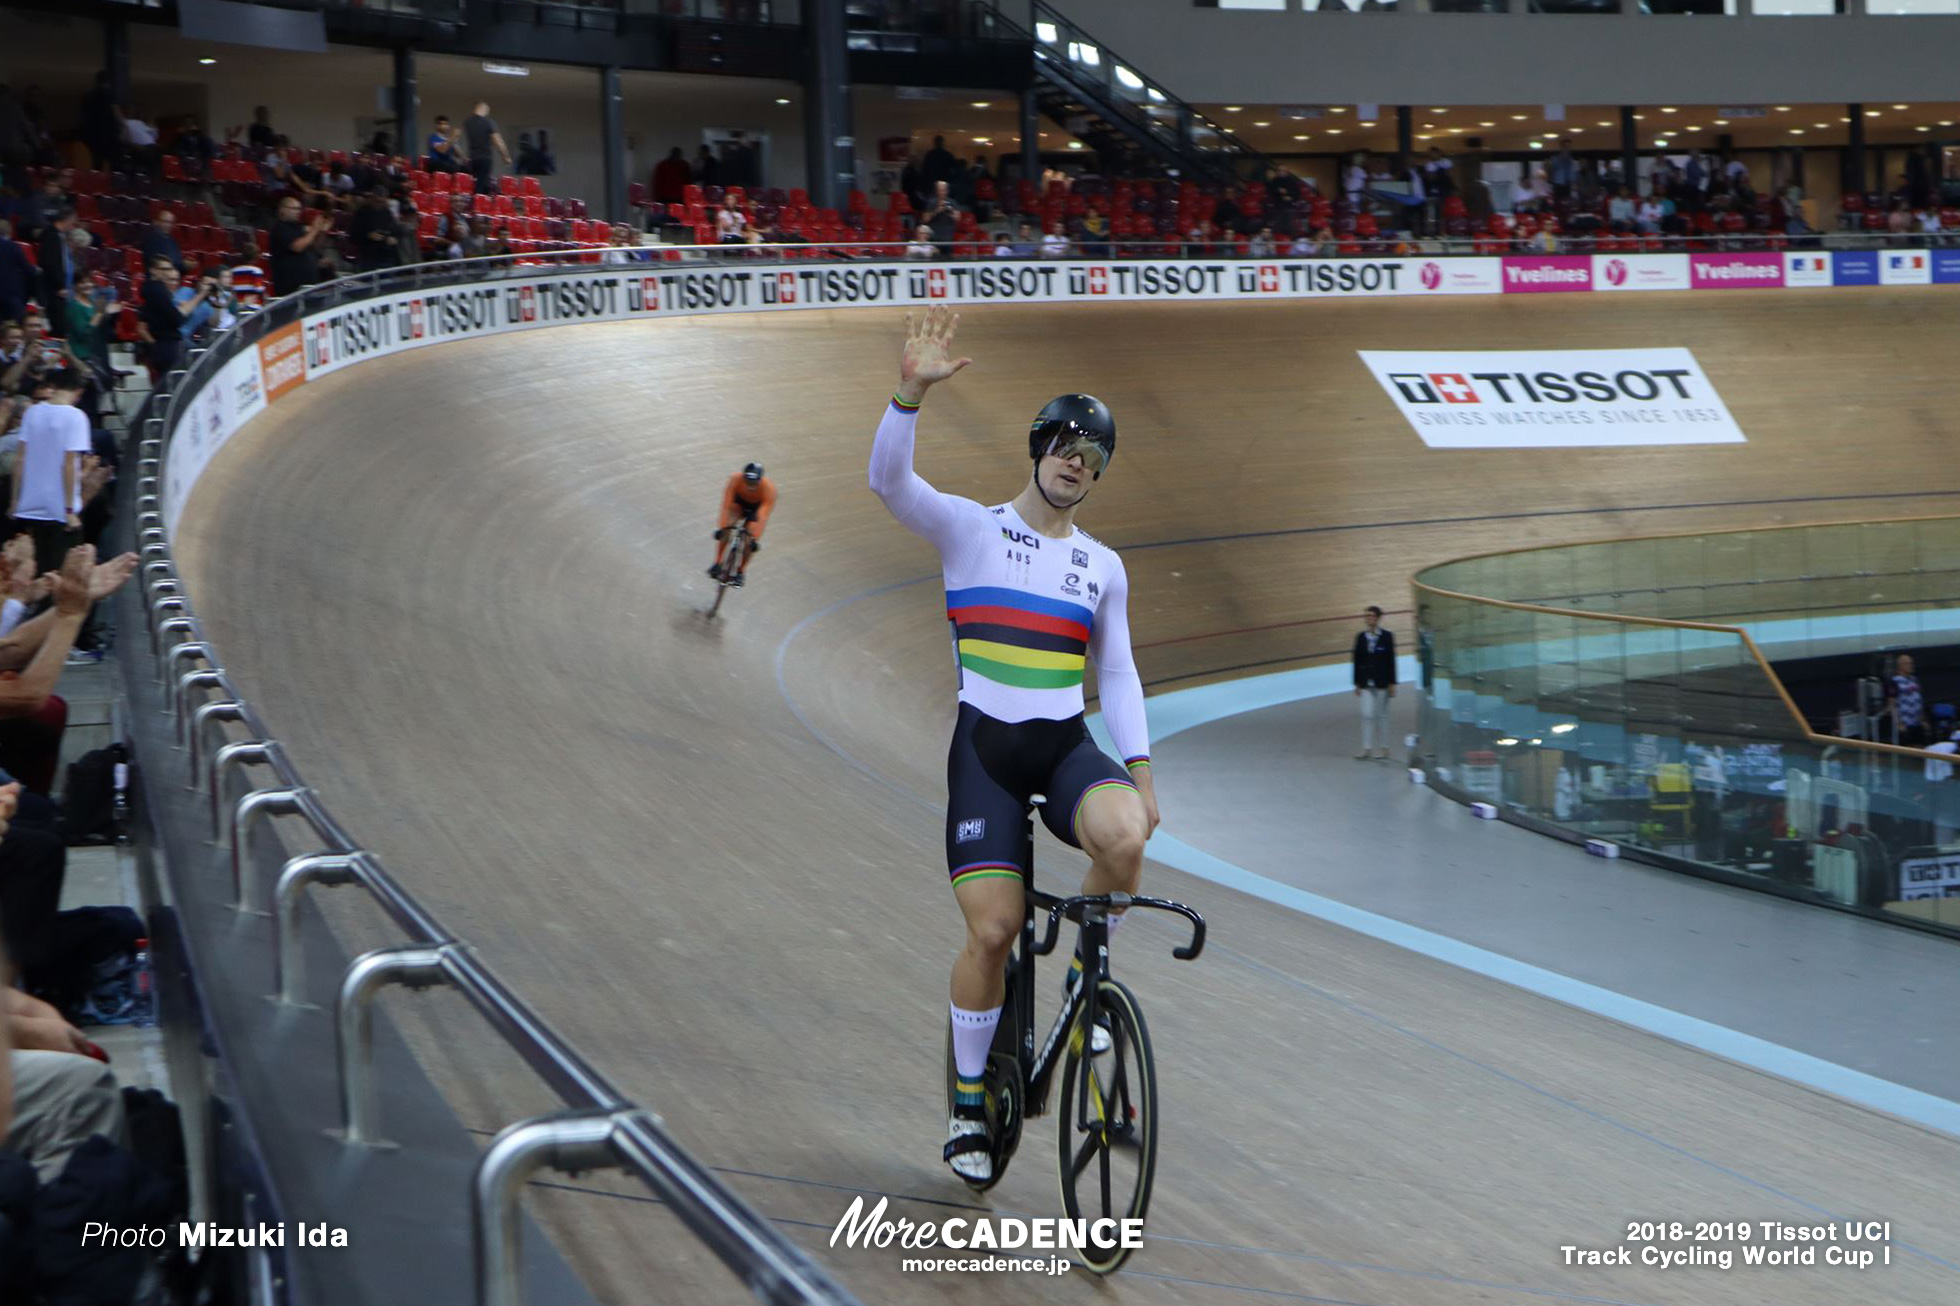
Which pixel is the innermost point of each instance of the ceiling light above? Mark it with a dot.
(1640, 117)
(982, 104)
(1670, 111)
(1233, 108)
(1537, 741)
(1262, 124)
(1333, 131)
(1486, 124)
(505, 69)
(1577, 131)
(1425, 138)
(1871, 113)
(1506, 742)
(1370, 124)
(1721, 122)
(1565, 727)
(1075, 145)
(1439, 111)
(1455, 130)
(1603, 124)
(1946, 122)
(1796, 131)
(1299, 138)
(1844, 120)
(1538, 145)
(983, 140)
(207, 60)
(782, 99)
(1922, 129)
(1340, 108)
(1820, 125)
(1517, 117)
(1783, 108)
(1902, 106)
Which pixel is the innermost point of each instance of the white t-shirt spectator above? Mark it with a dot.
(140, 133)
(48, 434)
(1938, 771)
(1650, 215)
(1054, 245)
(1737, 168)
(1929, 219)
(1003, 250)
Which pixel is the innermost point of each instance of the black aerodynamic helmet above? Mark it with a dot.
(752, 473)
(1075, 424)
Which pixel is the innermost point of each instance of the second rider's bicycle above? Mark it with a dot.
(736, 545)
(1108, 1105)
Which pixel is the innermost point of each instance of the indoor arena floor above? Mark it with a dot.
(465, 585)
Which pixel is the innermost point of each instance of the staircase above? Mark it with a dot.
(1134, 124)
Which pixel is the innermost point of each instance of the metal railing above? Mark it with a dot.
(601, 1126)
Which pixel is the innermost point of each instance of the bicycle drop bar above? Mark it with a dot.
(1057, 908)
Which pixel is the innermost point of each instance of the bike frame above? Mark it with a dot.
(1091, 911)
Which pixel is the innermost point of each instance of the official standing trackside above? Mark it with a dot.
(1374, 683)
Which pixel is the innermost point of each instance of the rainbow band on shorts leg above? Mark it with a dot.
(1075, 817)
(985, 871)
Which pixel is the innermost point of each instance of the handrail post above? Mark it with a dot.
(288, 963)
(259, 803)
(564, 1142)
(221, 709)
(190, 648)
(354, 1029)
(208, 678)
(158, 606)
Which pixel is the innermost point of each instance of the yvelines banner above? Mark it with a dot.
(1537, 399)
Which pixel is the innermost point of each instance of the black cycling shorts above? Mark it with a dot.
(993, 768)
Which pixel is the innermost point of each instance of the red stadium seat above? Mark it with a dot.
(532, 187)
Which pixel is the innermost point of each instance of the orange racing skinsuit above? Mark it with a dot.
(740, 501)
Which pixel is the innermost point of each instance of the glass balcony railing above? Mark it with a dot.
(1623, 691)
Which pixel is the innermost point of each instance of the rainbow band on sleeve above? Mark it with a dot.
(1132, 763)
(904, 407)
(1019, 639)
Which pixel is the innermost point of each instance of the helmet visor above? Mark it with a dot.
(1066, 440)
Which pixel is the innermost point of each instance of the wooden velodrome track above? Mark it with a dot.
(465, 584)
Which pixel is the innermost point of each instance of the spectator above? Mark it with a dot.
(1898, 221)
(1374, 682)
(39, 208)
(1262, 245)
(1563, 169)
(102, 124)
(192, 146)
(86, 314)
(1054, 244)
(260, 135)
(941, 218)
(481, 138)
(1027, 243)
(47, 492)
(707, 170)
(671, 177)
(1003, 249)
(295, 258)
(57, 261)
(729, 222)
(920, 245)
(14, 357)
(1649, 216)
(500, 245)
(1354, 181)
(530, 160)
(161, 243)
(140, 137)
(1620, 210)
(1908, 704)
(372, 231)
(1302, 247)
(1095, 234)
(1736, 173)
(441, 153)
(338, 184)
(1197, 242)
(248, 280)
(164, 317)
(940, 165)
(17, 275)
(1438, 174)
(625, 245)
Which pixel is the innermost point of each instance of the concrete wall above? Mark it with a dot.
(1214, 55)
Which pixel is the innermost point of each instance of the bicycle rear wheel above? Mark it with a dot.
(1108, 1146)
(731, 562)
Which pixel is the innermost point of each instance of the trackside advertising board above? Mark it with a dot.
(1538, 399)
(329, 340)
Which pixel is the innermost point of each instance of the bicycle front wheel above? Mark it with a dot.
(1108, 1146)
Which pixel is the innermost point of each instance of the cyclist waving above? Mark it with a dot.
(1031, 597)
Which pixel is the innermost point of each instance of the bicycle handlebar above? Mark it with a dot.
(1057, 908)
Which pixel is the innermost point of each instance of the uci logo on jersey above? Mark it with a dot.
(970, 831)
(1018, 538)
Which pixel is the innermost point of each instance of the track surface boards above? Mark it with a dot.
(465, 584)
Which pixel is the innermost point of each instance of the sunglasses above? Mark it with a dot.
(1070, 443)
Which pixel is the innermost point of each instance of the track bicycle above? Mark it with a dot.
(736, 546)
(1108, 1104)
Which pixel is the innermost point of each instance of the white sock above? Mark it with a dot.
(973, 1037)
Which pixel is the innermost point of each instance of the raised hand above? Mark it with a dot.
(107, 577)
(925, 362)
(9, 804)
(71, 583)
